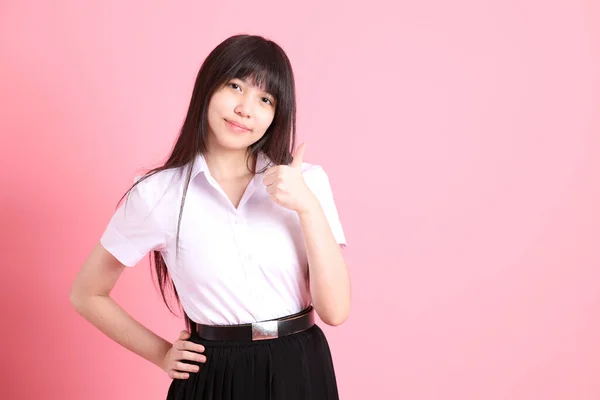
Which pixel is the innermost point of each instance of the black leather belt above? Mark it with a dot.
(262, 330)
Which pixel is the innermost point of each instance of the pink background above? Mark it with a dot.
(461, 138)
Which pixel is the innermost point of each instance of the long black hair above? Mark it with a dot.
(242, 57)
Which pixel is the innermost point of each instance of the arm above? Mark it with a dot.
(329, 278)
(90, 296)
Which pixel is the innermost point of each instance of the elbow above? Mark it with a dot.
(76, 301)
(335, 321)
(333, 311)
(336, 318)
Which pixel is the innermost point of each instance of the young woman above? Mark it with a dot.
(243, 233)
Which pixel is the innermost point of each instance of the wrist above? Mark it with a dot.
(312, 207)
(162, 354)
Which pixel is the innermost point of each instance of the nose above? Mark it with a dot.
(243, 108)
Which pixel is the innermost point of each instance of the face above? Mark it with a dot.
(239, 114)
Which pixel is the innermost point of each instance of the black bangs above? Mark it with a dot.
(262, 63)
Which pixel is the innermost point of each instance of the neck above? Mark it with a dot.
(229, 165)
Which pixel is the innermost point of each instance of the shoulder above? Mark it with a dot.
(153, 188)
(313, 171)
(315, 177)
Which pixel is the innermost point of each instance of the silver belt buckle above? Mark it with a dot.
(265, 330)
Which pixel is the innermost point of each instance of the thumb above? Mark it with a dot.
(184, 335)
(298, 156)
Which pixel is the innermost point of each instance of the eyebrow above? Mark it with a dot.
(246, 81)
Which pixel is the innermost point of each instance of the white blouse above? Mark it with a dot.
(234, 265)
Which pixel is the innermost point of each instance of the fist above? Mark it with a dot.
(286, 187)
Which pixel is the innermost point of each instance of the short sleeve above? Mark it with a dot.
(133, 231)
(318, 181)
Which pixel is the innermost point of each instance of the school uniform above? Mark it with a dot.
(234, 269)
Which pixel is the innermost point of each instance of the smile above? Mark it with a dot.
(239, 128)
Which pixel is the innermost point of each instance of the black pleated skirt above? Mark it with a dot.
(293, 367)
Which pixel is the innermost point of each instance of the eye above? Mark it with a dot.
(267, 100)
(234, 85)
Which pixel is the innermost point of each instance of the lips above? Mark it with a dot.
(237, 127)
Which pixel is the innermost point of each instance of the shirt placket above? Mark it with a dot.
(243, 240)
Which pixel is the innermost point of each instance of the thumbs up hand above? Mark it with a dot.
(285, 184)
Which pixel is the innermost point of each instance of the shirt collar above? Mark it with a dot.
(200, 164)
